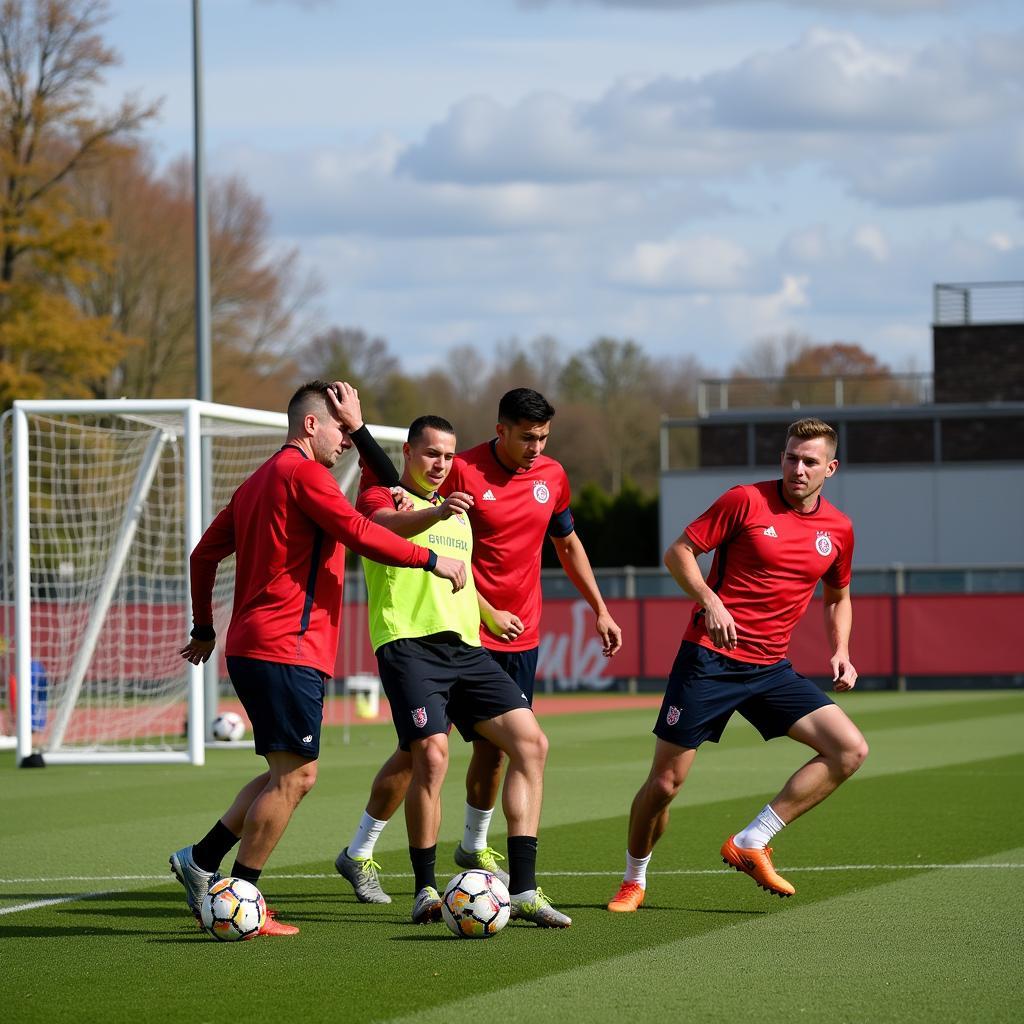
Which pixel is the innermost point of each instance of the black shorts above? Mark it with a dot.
(433, 680)
(285, 704)
(706, 687)
(520, 666)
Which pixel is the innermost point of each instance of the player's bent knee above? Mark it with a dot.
(854, 756)
(298, 782)
(663, 786)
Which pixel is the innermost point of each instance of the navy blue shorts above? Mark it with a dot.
(520, 666)
(285, 704)
(435, 680)
(706, 687)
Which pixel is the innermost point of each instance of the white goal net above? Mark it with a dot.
(101, 504)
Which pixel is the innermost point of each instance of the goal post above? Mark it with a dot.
(102, 502)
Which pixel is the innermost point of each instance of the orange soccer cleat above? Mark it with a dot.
(630, 897)
(757, 864)
(271, 926)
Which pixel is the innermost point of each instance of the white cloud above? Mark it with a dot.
(901, 127)
(703, 263)
(871, 239)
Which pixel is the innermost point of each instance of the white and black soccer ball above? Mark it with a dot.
(233, 910)
(228, 727)
(476, 904)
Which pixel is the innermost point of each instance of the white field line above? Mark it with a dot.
(37, 904)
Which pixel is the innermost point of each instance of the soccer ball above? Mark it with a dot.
(476, 905)
(228, 727)
(233, 909)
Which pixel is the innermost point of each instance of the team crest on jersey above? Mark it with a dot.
(541, 494)
(673, 715)
(419, 717)
(823, 544)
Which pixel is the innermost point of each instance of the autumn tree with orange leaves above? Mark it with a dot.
(51, 59)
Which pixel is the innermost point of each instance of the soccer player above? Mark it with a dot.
(289, 525)
(433, 669)
(520, 496)
(773, 542)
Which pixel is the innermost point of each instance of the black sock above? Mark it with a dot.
(522, 863)
(240, 870)
(213, 847)
(423, 861)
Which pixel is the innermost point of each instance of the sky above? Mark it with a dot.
(690, 174)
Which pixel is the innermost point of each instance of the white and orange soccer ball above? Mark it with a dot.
(476, 904)
(233, 910)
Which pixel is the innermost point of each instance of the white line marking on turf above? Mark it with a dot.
(75, 897)
(55, 900)
(558, 874)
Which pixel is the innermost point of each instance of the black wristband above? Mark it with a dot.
(203, 633)
(431, 561)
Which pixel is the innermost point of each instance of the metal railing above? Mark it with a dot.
(630, 581)
(721, 394)
(980, 302)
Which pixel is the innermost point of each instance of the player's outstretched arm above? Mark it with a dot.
(576, 565)
(681, 562)
(407, 522)
(838, 625)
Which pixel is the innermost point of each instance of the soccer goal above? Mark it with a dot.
(101, 503)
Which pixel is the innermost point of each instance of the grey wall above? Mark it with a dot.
(917, 515)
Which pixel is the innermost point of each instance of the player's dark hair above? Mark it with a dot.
(422, 423)
(809, 428)
(311, 397)
(524, 405)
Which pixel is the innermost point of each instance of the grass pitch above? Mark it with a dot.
(909, 902)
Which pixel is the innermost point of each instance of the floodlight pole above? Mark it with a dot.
(204, 376)
(204, 388)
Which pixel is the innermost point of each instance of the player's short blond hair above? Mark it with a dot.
(809, 428)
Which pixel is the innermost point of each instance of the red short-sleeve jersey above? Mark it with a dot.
(768, 559)
(513, 511)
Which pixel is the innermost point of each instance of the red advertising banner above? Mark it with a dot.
(943, 635)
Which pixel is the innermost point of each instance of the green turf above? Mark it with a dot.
(885, 925)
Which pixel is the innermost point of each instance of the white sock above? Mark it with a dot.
(636, 869)
(366, 837)
(474, 834)
(758, 834)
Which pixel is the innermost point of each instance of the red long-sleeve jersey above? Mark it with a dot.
(289, 524)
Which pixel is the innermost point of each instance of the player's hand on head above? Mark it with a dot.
(197, 652)
(451, 569)
(456, 502)
(611, 635)
(343, 401)
(844, 675)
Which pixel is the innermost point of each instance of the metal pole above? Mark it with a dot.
(204, 388)
(198, 721)
(204, 362)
